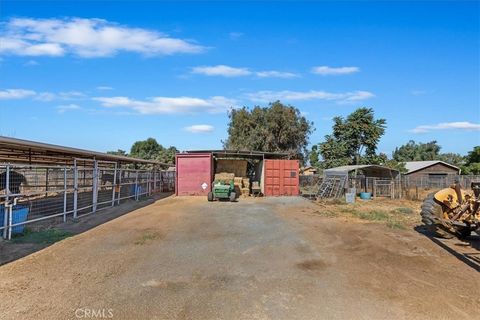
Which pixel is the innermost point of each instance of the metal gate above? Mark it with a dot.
(383, 188)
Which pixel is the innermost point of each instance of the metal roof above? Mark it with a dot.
(240, 153)
(359, 166)
(26, 151)
(413, 166)
(370, 170)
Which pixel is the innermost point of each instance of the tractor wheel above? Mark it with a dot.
(210, 196)
(233, 196)
(432, 214)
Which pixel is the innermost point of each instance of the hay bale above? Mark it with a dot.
(238, 181)
(224, 177)
(237, 167)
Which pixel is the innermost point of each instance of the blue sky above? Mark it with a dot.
(101, 75)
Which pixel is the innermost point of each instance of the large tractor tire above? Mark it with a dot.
(432, 217)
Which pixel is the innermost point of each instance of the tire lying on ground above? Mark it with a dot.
(432, 216)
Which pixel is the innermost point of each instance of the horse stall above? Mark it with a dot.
(42, 184)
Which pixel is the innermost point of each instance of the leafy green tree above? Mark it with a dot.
(472, 162)
(313, 157)
(150, 149)
(412, 151)
(146, 149)
(119, 152)
(452, 158)
(382, 159)
(167, 155)
(276, 128)
(354, 139)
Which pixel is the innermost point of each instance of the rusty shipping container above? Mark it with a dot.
(194, 174)
(281, 177)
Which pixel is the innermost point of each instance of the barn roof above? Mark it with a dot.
(26, 151)
(413, 166)
(243, 153)
(371, 170)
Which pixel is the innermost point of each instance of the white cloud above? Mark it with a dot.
(276, 74)
(170, 105)
(327, 71)
(67, 95)
(230, 72)
(9, 94)
(104, 88)
(221, 70)
(200, 128)
(68, 107)
(85, 38)
(460, 125)
(286, 95)
(45, 96)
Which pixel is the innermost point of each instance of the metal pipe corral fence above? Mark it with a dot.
(46, 195)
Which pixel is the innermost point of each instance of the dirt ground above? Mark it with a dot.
(270, 258)
(10, 251)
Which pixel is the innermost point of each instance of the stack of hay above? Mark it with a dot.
(246, 187)
(237, 184)
(224, 177)
(240, 184)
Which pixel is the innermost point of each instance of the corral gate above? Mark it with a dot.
(383, 188)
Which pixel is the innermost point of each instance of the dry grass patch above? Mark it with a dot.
(147, 237)
(395, 214)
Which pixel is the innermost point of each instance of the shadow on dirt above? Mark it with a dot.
(466, 250)
(30, 243)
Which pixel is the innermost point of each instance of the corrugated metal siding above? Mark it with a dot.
(193, 170)
(281, 177)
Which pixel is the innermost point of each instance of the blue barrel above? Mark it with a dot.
(365, 195)
(19, 215)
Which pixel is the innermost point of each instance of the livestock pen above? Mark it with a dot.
(43, 184)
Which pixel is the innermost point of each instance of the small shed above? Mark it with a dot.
(274, 173)
(378, 180)
(431, 169)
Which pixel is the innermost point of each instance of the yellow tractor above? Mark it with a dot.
(449, 212)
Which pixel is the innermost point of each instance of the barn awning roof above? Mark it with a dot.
(370, 170)
(243, 153)
(413, 166)
(25, 151)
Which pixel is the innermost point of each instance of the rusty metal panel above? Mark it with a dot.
(194, 174)
(281, 177)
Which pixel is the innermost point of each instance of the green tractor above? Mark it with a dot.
(222, 190)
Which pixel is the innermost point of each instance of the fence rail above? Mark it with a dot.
(35, 193)
(402, 187)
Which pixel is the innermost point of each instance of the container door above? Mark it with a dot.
(281, 177)
(194, 174)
